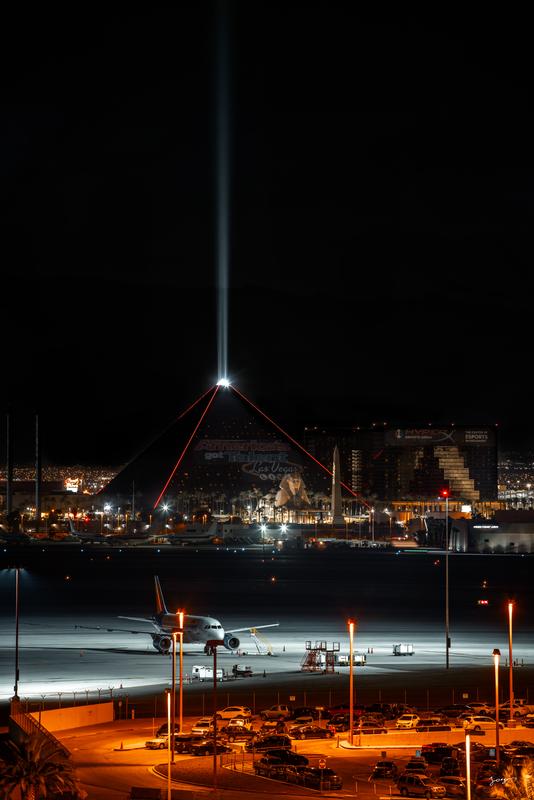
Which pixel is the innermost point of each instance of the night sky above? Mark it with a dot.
(381, 211)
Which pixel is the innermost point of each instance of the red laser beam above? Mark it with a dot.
(162, 433)
(184, 451)
(294, 441)
(196, 402)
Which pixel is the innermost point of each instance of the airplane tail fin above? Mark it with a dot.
(161, 608)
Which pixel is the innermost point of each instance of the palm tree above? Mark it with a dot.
(38, 769)
(516, 783)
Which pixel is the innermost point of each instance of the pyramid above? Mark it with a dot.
(224, 447)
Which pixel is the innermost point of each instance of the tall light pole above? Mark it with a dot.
(510, 658)
(214, 644)
(468, 764)
(181, 616)
(351, 623)
(173, 693)
(496, 658)
(445, 494)
(169, 745)
(17, 579)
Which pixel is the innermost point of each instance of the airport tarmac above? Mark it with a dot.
(395, 599)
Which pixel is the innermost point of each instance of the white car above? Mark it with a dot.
(158, 743)
(407, 721)
(480, 723)
(202, 727)
(232, 712)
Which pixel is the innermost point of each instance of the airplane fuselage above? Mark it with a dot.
(196, 629)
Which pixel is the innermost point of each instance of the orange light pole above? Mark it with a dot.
(351, 623)
(173, 693)
(496, 658)
(510, 658)
(468, 764)
(445, 493)
(181, 615)
(168, 745)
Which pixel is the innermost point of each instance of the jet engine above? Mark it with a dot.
(162, 643)
(231, 642)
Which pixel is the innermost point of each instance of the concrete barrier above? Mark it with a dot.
(410, 739)
(61, 719)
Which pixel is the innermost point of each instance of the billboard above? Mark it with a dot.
(425, 437)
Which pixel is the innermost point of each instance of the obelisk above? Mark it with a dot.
(337, 516)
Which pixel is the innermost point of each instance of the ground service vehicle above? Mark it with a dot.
(419, 786)
(276, 712)
(403, 650)
(241, 671)
(202, 673)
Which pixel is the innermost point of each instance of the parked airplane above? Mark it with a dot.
(197, 630)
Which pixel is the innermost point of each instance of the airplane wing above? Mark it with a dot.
(138, 619)
(252, 628)
(111, 630)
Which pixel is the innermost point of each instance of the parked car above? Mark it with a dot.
(419, 786)
(293, 773)
(310, 732)
(287, 757)
(157, 743)
(304, 720)
(276, 712)
(275, 740)
(437, 751)
(449, 766)
(202, 726)
(183, 742)
(273, 726)
(370, 728)
(339, 723)
(384, 769)
(417, 765)
(205, 747)
(386, 709)
(454, 710)
(307, 711)
(236, 733)
(321, 778)
(407, 721)
(480, 723)
(478, 751)
(232, 712)
(455, 786)
(272, 768)
(164, 729)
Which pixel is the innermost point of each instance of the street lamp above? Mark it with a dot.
(468, 764)
(510, 659)
(17, 580)
(168, 745)
(181, 616)
(179, 633)
(213, 644)
(351, 623)
(496, 658)
(445, 494)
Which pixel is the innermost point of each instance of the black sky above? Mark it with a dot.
(381, 218)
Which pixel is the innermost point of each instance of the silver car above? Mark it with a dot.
(454, 786)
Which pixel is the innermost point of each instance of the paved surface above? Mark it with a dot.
(106, 771)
